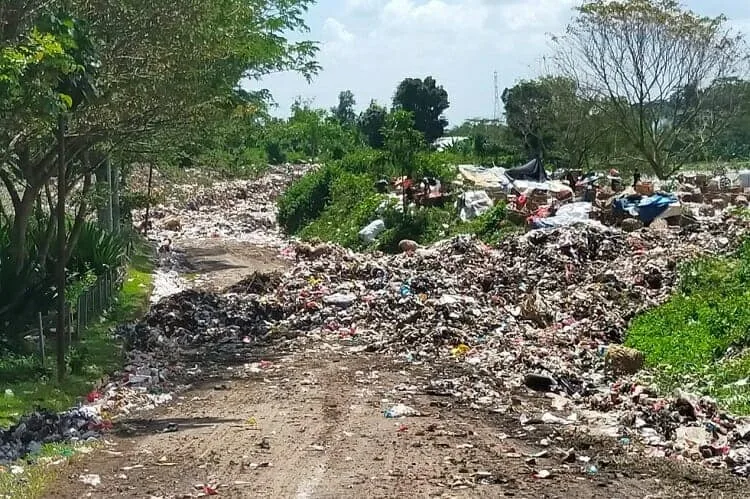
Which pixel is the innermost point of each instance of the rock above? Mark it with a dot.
(620, 359)
(631, 224)
(407, 246)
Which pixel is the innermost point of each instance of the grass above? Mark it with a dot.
(689, 338)
(33, 386)
(30, 479)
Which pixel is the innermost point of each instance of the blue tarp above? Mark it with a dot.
(646, 208)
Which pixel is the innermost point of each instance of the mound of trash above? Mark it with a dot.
(44, 427)
(256, 283)
(192, 319)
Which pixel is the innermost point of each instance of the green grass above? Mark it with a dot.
(686, 339)
(38, 471)
(97, 353)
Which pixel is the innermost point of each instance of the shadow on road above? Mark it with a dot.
(140, 427)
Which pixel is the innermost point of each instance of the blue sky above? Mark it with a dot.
(369, 46)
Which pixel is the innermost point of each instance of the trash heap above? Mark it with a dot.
(537, 312)
(42, 427)
(242, 209)
(192, 319)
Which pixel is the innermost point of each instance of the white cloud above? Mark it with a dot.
(368, 46)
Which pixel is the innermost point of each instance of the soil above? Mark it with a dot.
(219, 263)
(312, 425)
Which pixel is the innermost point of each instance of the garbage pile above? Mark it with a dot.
(544, 305)
(538, 312)
(243, 209)
(192, 319)
(43, 427)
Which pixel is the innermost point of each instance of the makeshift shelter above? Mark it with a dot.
(532, 171)
(648, 208)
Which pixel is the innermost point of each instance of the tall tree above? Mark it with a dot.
(526, 106)
(344, 112)
(640, 56)
(426, 101)
(162, 70)
(371, 123)
(403, 141)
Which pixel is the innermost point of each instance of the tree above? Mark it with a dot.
(651, 61)
(371, 122)
(344, 112)
(403, 142)
(526, 106)
(161, 70)
(427, 102)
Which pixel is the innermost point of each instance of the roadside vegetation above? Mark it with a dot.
(700, 337)
(26, 383)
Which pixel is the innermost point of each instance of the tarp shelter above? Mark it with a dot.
(533, 171)
(646, 208)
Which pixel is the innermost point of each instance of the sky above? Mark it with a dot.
(369, 46)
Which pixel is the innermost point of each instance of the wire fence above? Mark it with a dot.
(88, 307)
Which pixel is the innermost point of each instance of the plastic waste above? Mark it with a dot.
(91, 480)
(371, 231)
(400, 411)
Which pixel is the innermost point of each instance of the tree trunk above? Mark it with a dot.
(104, 194)
(61, 243)
(115, 198)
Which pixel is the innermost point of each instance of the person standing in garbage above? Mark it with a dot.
(636, 177)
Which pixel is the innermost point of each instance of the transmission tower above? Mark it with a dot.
(496, 111)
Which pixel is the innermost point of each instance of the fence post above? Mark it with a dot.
(41, 341)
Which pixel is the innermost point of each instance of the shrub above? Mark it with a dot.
(424, 226)
(352, 206)
(369, 162)
(306, 198)
(97, 250)
(274, 154)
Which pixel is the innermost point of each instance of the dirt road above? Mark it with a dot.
(311, 424)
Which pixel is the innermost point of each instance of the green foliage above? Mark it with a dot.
(344, 112)
(424, 226)
(352, 206)
(274, 153)
(638, 60)
(492, 226)
(371, 123)
(306, 198)
(426, 101)
(698, 325)
(402, 141)
(369, 162)
(96, 355)
(97, 250)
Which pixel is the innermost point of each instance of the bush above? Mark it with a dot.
(306, 198)
(368, 162)
(492, 226)
(97, 250)
(274, 154)
(352, 206)
(424, 226)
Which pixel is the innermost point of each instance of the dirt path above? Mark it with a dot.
(218, 263)
(311, 425)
